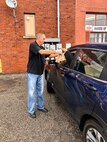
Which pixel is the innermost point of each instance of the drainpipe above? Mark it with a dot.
(58, 17)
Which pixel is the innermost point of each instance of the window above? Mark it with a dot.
(90, 19)
(96, 19)
(90, 62)
(97, 24)
(92, 38)
(29, 20)
(66, 58)
(98, 37)
(100, 20)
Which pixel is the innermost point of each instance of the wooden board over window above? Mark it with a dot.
(29, 25)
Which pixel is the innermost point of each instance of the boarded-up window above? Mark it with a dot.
(29, 25)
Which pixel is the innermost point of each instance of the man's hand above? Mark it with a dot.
(59, 52)
(64, 50)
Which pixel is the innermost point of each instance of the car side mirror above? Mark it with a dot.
(52, 61)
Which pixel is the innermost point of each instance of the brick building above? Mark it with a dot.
(63, 21)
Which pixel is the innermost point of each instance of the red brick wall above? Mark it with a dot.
(67, 21)
(13, 47)
(83, 6)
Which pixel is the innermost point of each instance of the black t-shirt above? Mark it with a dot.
(36, 60)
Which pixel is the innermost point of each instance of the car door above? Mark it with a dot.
(80, 90)
(86, 85)
(61, 78)
(58, 81)
(64, 83)
(88, 93)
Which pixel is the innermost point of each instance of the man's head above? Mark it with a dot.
(40, 38)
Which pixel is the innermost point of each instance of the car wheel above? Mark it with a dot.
(93, 132)
(49, 85)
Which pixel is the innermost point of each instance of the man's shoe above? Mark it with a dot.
(43, 110)
(32, 115)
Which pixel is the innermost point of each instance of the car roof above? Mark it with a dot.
(92, 46)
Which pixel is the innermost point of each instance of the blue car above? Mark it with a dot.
(79, 78)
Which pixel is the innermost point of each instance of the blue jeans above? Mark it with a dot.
(35, 92)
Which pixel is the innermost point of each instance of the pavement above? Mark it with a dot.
(15, 124)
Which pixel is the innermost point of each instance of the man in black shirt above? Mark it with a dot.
(35, 77)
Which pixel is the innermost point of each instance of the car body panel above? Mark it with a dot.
(83, 93)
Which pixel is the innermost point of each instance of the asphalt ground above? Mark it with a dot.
(15, 124)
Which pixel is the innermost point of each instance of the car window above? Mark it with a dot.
(65, 59)
(60, 59)
(90, 62)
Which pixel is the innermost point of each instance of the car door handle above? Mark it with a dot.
(90, 86)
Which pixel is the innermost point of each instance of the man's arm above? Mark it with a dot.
(49, 52)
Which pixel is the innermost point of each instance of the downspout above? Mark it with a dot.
(58, 17)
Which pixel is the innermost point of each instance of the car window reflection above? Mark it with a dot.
(90, 62)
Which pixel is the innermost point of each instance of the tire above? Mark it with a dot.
(49, 87)
(46, 72)
(49, 84)
(93, 132)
